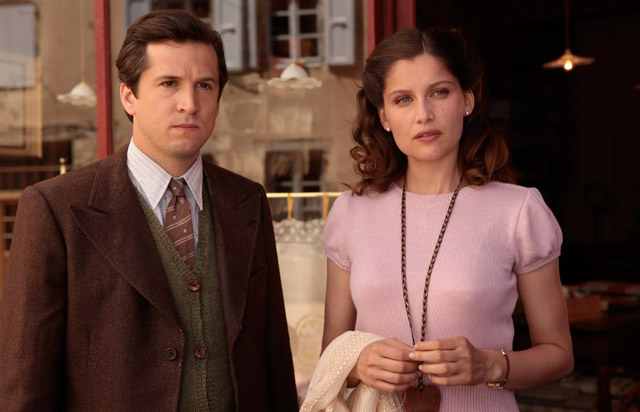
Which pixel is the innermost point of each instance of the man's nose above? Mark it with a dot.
(187, 101)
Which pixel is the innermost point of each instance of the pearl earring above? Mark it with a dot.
(466, 113)
(388, 129)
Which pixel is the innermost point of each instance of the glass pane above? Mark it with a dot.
(169, 4)
(278, 5)
(280, 48)
(201, 8)
(308, 24)
(308, 47)
(279, 25)
(307, 4)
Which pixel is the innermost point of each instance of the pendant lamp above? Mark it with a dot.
(294, 76)
(81, 94)
(568, 60)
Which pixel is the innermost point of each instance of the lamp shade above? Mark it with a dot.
(295, 77)
(80, 95)
(568, 61)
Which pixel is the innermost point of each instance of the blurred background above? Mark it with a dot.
(574, 134)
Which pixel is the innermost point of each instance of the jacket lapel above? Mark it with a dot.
(235, 216)
(116, 225)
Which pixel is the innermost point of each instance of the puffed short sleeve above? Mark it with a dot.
(335, 238)
(538, 235)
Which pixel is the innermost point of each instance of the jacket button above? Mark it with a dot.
(200, 352)
(170, 354)
(194, 285)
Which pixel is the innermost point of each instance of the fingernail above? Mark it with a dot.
(411, 355)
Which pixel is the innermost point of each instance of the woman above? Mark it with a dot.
(434, 244)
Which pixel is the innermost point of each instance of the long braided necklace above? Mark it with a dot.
(422, 398)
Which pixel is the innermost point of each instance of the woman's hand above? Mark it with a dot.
(455, 361)
(385, 365)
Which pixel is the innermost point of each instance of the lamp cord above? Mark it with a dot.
(566, 24)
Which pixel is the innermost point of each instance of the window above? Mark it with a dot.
(288, 169)
(137, 8)
(20, 82)
(295, 31)
(324, 29)
(324, 32)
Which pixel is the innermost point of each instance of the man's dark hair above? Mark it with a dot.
(161, 26)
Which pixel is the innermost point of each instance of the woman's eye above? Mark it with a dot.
(403, 100)
(441, 92)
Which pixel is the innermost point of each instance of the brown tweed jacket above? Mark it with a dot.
(87, 322)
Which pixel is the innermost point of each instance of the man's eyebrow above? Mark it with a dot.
(164, 77)
(208, 79)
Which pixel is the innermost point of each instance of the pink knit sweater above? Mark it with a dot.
(496, 232)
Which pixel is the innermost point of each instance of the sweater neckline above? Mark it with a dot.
(424, 201)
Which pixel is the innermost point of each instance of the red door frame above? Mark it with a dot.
(103, 77)
(385, 17)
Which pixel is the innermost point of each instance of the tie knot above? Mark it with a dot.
(176, 186)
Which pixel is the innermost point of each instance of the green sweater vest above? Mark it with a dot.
(206, 380)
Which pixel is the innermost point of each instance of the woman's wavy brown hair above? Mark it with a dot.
(483, 155)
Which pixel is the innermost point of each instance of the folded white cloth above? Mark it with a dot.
(329, 380)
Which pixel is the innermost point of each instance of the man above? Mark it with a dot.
(104, 308)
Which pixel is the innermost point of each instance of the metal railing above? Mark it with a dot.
(290, 196)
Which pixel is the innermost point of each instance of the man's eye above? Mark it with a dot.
(204, 85)
(169, 83)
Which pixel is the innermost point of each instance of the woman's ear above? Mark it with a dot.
(469, 101)
(383, 120)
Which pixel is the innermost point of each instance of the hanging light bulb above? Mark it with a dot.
(568, 65)
(294, 76)
(81, 94)
(568, 60)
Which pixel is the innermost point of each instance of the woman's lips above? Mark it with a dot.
(427, 135)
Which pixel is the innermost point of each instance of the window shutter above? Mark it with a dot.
(135, 9)
(228, 22)
(340, 32)
(252, 34)
(17, 45)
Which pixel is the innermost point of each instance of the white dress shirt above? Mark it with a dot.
(152, 181)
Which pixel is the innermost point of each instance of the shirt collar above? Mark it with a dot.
(154, 180)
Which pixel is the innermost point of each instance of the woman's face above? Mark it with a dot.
(424, 107)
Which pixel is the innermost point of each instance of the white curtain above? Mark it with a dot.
(303, 270)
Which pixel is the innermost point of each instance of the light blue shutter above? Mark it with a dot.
(135, 9)
(228, 22)
(17, 45)
(340, 43)
(252, 34)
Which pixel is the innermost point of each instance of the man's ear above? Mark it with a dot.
(383, 119)
(128, 99)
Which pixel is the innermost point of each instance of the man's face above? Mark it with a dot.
(176, 103)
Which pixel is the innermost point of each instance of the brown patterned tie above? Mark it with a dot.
(177, 223)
